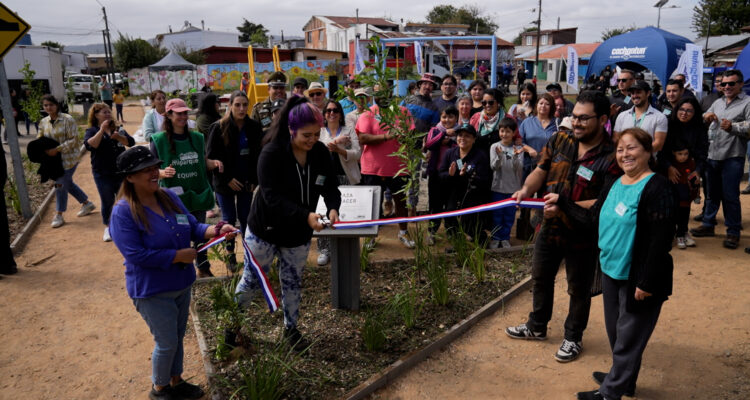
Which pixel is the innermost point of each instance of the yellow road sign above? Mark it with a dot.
(12, 29)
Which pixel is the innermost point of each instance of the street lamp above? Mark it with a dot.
(659, 5)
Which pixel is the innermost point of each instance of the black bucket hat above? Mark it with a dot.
(468, 128)
(135, 159)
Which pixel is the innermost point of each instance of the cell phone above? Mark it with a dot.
(459, 163)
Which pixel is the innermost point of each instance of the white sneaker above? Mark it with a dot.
(408, 243)
(86, 209)
(681, 243)
(689, 241)
(494, 244)
(106, 237)
(323, 258)
(58, 221)
(505, 244)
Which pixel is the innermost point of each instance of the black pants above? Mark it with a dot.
(682, 218)
(628, 334)
(437, 199)
(6, 256)
(580, 261)
(201, 260)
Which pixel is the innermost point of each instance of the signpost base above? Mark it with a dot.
(345, 272)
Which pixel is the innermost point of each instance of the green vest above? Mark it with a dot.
(190, 181)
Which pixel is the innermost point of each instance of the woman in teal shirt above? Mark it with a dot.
(634, 218)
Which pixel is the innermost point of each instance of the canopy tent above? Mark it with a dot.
(647, 48)
(743, 62)
(172, 62)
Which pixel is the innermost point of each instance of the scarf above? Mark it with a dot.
(489, 124)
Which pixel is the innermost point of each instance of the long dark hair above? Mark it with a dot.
(208, 106)
(226, 123)
(339, 110)
(127, 192)
(531, 88)
(695, 121)
(169, 133)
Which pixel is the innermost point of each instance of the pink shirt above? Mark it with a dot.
(378, 159)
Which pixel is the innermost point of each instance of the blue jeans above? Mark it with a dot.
(503, 218)
(233, 206)
(65, 185)
(291, 266)
(108, 186)
(166, 315)
(723, 184)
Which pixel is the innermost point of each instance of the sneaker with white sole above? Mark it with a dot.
(58, 221)
(106, 237)
(689, 241)
(568, 351)
(494, 244)
(681, 243)
(523, 332)
(323, 258)
(505, 244)
(404, 239)
(86, 209)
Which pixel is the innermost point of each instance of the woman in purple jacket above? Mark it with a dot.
(153, 229)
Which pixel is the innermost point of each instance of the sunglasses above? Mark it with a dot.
(488, 102)
(686, 110)
(730, 83)
(331, 111)
(316, 94)
(624, 80)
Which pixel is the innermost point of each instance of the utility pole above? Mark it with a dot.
(108, 47)
(15, 151)
(538, 38)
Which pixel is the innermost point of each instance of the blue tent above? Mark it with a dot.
(743, 62)
(647, 48)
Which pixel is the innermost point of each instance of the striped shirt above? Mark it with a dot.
(65, 131)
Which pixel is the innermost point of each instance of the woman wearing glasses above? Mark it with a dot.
(342, 142)
(486, 121)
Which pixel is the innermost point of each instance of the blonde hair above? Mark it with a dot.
(93, 111)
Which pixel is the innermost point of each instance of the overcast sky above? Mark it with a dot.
(76, 22)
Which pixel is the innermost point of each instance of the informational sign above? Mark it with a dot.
(356, 203)
(12, 29)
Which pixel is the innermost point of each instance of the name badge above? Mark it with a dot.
(177, 190)
(265, 122)
(245, 151)
(182, 219)
(320, 180)
(626, 100)
(585, 173)
(667, 112)
(621, 209)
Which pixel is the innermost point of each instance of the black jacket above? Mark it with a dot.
(473, 188)
(243, 168)
(50, 168)
(651, 267)
(289, 192)
(103, 158)
(695, 137)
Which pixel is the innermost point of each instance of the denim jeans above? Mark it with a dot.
(291, 266)
(503, 218)
(65, 185)
(166, 315)
(108, 186)
(233, 206)
(723, 184)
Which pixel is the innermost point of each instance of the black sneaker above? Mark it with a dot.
(231, 264)
(523, 332)
(188, 390)
(731, 242)
(164, 394)
(568, 351)
(295, 339)
(703, 231)
(592, 395)
(599, 377)
(698, 218)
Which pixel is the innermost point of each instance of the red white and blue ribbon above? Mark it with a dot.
(526, 203)
(265, 285)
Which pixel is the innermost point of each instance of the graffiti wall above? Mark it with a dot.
(225, 77)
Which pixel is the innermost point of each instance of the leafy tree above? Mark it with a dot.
(611, 32)
(32, 102)
(517, 39)
(196, 57)
(726, 16)
(256, 34)
(471, 15)
(50, 43)
(136, 53)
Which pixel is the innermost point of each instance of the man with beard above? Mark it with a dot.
(643, 115)
(449, 87)
(620, 98)
(576, 164)
(672, 94)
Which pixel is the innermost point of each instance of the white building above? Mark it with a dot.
(193, 38)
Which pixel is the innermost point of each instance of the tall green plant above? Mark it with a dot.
(438, 278)
(32, 103)
(372, 330)
(408, 304)
(267, 374)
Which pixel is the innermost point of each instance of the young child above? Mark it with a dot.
(119, 100)
(686, 190)
(506, 161)
(439, 140)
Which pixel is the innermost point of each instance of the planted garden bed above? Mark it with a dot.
(405, 306)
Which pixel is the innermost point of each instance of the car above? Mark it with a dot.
(84, 86)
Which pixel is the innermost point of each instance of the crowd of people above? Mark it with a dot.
(618, 175)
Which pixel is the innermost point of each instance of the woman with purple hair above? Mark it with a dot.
(294, 170)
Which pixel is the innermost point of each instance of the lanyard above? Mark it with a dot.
(637, 123)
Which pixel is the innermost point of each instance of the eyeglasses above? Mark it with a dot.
(686, 110)
(624, 79)
(315, 94)
(331, 111)
(488, 102)
(582, 118)
(729, 83)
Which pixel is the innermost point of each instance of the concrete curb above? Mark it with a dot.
(403, 364)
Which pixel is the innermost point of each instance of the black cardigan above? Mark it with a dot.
(229, 155)
(651, 266)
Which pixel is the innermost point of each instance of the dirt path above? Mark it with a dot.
(70, 331)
